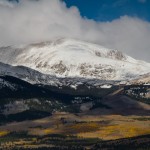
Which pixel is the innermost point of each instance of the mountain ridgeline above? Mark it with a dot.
(75, 59)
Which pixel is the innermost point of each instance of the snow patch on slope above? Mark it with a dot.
(4, 84)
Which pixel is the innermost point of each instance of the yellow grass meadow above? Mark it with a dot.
(3, 133)
(116, 132)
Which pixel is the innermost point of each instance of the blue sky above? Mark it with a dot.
(108, 10)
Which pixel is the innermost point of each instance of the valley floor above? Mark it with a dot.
(82, 130)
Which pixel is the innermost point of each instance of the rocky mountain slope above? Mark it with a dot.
(35, 77)
(142, 79)
(74, 58)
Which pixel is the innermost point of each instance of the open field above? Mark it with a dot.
(106, 127)
(80, 130)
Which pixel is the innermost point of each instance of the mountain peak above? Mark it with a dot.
(74, 58)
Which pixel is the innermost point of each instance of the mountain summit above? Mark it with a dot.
(74, 58)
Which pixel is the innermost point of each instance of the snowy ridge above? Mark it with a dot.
(35, 77)
(142, 79)
(74, 58)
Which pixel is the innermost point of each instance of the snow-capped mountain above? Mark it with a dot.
(74, 58)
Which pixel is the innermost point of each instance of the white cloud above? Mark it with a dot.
(34, 21)
(5, 3)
